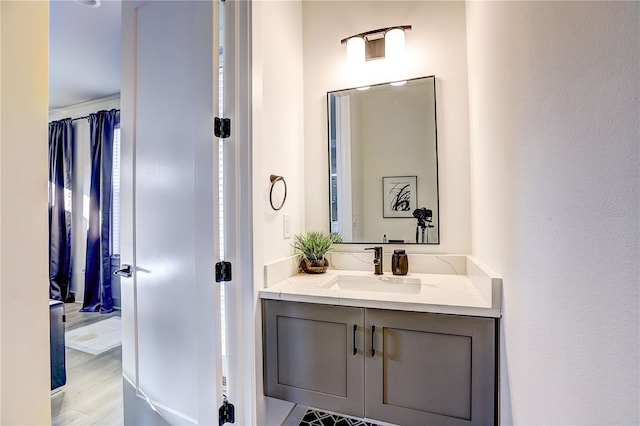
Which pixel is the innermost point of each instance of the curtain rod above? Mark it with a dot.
(84, 117)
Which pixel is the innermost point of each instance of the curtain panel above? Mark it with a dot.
(60, 167)
(97, 291)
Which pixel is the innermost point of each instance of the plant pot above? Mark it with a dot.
(314, 266)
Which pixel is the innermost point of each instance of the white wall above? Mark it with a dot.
(278, 123)
(24, 321)
(554, 101)
(436, 45)
(277, 148)
(81, 181)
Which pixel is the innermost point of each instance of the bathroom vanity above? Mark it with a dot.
(417, 349)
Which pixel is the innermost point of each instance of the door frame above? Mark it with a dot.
(242, 303)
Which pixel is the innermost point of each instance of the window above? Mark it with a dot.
(115, 194)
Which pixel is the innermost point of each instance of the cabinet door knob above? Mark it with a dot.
(355, 349)
(373, 346)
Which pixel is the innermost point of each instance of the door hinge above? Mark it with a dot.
(223, 271)
(226, 413)
(222, 127)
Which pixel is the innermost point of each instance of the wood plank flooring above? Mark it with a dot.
(93, 393)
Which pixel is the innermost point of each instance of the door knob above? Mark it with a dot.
(125, 271)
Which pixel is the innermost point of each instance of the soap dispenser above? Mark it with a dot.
(399, 262)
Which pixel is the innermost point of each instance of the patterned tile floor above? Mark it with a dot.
(320, 418)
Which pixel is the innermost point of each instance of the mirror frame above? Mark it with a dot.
(437, 170)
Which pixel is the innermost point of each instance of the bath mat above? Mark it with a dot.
(95, 338)
(320, 418)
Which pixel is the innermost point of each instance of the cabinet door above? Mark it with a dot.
(313, 355)
(429, 369)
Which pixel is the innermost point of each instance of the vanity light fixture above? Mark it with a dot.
(376, 44)
(399, 83)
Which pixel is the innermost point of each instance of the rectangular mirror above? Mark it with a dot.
(383, 159)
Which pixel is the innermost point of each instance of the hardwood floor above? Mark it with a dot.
(76, 319)
(93, 393)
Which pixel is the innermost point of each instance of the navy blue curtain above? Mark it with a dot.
(97, 277)
(60, 166)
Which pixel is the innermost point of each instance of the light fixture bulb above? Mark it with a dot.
(394, 44)
(355, 51)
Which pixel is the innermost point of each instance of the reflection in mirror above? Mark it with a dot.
(383, 163)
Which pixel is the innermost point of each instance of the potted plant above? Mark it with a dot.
(312, 247)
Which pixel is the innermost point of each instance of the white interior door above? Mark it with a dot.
(170, 306)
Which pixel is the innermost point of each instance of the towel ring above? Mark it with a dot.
(274, 179)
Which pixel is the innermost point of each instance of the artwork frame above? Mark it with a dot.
(399, 196)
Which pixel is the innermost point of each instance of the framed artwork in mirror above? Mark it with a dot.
(399, 196)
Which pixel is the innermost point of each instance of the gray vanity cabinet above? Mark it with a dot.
(309, 355)
(406, 368)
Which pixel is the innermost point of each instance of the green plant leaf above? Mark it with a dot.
(314, 244)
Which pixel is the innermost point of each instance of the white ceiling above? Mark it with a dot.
(84, 52)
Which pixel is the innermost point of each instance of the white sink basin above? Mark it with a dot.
(380, 284)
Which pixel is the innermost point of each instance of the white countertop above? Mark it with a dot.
(438, 293)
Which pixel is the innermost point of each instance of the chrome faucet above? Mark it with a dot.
(377, 259)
